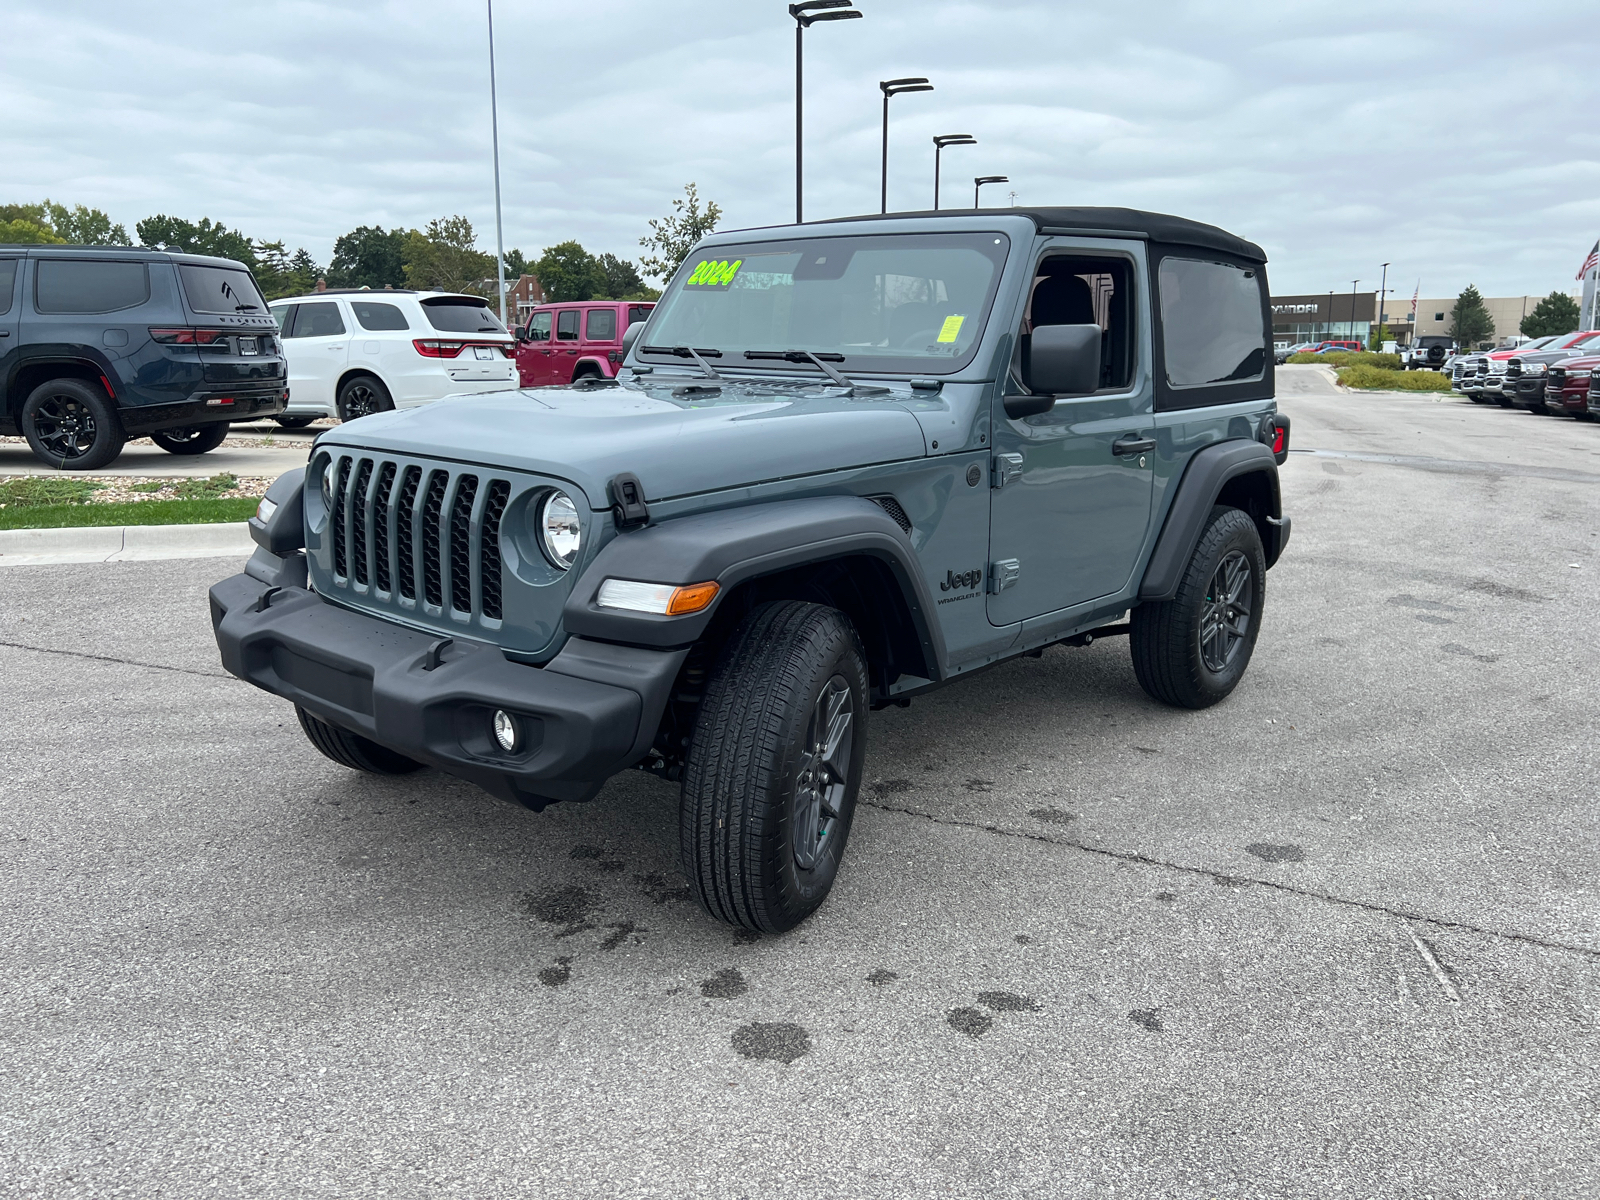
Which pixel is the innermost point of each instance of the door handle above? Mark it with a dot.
(1132, 444)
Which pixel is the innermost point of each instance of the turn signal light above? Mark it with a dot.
(663, 598)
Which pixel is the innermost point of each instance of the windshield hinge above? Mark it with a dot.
(627, 502)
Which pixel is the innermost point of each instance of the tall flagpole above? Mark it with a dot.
(494, 126)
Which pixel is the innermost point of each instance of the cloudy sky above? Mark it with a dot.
(1457, 140)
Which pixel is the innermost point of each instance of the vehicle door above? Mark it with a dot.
(534, 351)
(1072, 486)
(567, 343)
(317, 345)
(10, 342)
(600, 337)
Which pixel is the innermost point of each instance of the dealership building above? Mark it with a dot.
(1344, 315)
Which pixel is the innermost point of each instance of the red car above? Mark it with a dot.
(562, 343)
(1566, 387)
(1353, 347)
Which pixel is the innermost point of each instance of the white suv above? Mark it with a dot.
(356, 352)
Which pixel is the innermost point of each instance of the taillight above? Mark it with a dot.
(432, 349)
(188, 337)
(1280, 440)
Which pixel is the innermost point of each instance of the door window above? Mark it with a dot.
(378, 317)
(8, 283)
(1211, 323)
(539, 327)
(75, 285)
(317, 320)
(567, 325)
(1071, 290)
(283, 314)
(602, 325)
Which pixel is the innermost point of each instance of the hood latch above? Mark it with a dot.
(627, 501)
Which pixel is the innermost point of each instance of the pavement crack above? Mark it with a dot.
(1225, 877)
(126, 662)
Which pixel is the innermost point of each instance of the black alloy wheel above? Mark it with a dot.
(191, 439)
(824, 776)
(1225, 616)
(361, 397)
(71, 426)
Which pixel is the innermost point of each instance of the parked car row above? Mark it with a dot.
(1282, 356)
(1551, 375)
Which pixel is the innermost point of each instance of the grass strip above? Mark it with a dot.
(135, 512)
(1376, 379)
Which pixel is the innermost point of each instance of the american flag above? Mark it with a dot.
(1417, 293)
(1589, 263)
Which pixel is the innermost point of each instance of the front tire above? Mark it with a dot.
(71, 426)
(1192, 650)
(769, 790)
(361, 397)
(191, 439)
(352, 750)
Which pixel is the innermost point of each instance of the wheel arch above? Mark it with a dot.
(350, 373)
(1239, 473)
(30, 373)
(579, 368)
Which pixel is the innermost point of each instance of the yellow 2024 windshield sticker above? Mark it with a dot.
(713, 273)
(952, 328)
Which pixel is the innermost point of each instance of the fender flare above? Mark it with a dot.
(1208, 471)
(732, 546)
(599, 364)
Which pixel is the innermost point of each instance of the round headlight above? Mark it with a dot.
(559, 529)
(327, 485)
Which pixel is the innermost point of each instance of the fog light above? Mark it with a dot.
(505, 730)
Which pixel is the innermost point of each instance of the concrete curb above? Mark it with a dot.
(124, 543)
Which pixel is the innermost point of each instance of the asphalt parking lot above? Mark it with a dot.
(1334, 937)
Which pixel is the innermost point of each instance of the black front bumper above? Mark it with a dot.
(585, 715)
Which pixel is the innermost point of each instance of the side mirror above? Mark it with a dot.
(520, 333)
(1061, 360)
(630, 336)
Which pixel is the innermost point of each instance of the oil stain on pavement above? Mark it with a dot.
(782, 1041)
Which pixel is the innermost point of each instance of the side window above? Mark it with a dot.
(637, 313)
(1083, 290)
(602, 325)
(8, 283)
(1211, 326)
(283, 314)
(317, 320)
(68, 285)
(567, 325)
(539, 327)
(378, 317)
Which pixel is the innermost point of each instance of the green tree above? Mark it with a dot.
(672, 237)
(619, 278)
(204, 237)
(1380, 335)
(1556, 313)
(517, 265)
(446, 256)
(369, 257)
(27, 225)
(83, 226)
(1470, 322)
(567, 272)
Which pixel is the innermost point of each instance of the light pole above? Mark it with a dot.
(1353, 283)
(893, 87)
(805, 15)
(983, 179)
(939, 143)
(1383, 291)
(494, 128)
(1328, 337)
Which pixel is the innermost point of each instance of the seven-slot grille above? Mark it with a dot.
(402, 532)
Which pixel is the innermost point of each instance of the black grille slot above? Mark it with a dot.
(405, 529)
(461, 543)
(489, 549)
(341, 565)
(432, 508)
(358, 513)
(892, 506)
(380, 527)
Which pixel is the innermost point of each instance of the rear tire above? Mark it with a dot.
(294, 422)
(775, 761)
(362, 396)
(70, 425)
(1192, 650)
(191, 439)
(352, 750)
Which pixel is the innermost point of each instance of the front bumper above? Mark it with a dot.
(1527, 391)
(590, 712)
(1568, 400)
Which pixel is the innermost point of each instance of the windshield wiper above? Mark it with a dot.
(820, 361)
(243, 307)
(699, 357)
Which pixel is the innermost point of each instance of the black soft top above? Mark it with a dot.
(1123, 222)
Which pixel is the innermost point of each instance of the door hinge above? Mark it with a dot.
(1003, 574)
(1006, 468)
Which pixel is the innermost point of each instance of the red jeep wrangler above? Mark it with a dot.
(562, 343)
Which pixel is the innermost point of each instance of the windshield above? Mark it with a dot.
(893, 303)
(220, 289)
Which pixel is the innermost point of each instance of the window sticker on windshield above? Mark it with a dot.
(952, 328)
(713, 273)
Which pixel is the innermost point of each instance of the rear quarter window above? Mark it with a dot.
(638, 312)
(1211, 324)
(461, 316)
(64, 285)
(377, 317)
(602, 325)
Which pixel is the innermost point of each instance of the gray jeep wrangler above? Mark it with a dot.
(844, 463)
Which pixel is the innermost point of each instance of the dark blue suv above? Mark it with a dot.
(100, 345)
